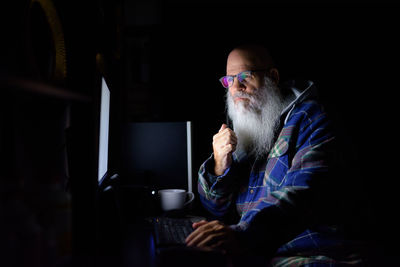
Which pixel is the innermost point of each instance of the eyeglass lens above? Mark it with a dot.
(227, 81)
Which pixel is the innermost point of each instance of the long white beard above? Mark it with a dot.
(255, 123)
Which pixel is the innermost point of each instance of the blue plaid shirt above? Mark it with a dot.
(283, 198)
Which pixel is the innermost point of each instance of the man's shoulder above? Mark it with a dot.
(306, 104)
(306, 111)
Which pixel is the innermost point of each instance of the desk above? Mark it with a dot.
(138, 247)
(127, 240)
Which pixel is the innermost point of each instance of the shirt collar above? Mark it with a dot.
(299, 92)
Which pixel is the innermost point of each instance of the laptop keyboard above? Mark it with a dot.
(171, 231)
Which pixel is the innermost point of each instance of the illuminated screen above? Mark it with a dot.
(104, 126)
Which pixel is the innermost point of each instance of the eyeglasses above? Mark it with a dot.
(243, 77)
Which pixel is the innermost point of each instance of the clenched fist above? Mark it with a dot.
(224, 143)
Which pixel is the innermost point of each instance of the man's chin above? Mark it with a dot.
(240, 110)
(243, 109)
(242, 106)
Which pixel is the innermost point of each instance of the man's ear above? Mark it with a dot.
(274, 75)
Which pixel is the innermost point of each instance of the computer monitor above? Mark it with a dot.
(158, 154)
(103, 131)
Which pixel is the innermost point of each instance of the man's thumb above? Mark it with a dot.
(224, 126)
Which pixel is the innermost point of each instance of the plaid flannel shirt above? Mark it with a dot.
(280, 198)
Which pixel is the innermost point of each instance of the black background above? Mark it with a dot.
(164, 59)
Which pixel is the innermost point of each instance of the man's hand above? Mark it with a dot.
(213, 235)
(224, 143)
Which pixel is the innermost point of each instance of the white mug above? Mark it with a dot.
(174, 199)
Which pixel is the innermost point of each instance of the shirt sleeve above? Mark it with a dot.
(216, 192)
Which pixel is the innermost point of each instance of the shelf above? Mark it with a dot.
(18, 85)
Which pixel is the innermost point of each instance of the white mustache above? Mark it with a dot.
(242, 95)
(253, 100)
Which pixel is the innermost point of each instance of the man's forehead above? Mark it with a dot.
(236, 68)
(239, 61)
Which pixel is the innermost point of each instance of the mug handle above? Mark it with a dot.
(191, 198)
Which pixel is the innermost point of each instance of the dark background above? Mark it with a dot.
(163, 60)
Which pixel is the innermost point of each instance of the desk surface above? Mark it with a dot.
(138, 246)
(139, 249)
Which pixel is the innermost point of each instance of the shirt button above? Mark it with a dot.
(251, 191)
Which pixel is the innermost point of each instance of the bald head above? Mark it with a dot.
(249, 57)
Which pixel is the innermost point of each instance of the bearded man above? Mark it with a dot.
(273, 170)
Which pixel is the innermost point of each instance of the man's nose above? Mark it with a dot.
(237, 86)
